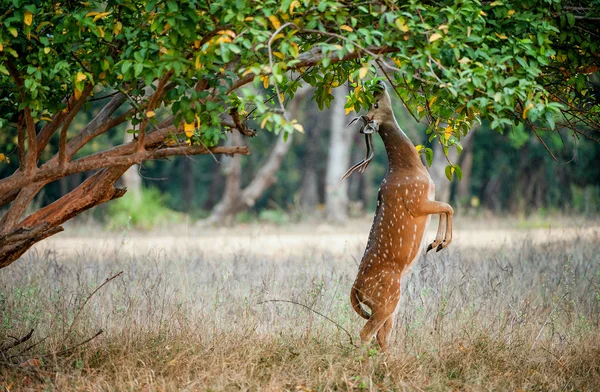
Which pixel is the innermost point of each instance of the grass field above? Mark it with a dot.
(500, 309)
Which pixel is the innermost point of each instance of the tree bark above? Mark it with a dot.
(338, 161)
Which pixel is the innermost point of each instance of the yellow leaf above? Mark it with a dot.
(511, 13)
(501, 36)
(298, 127)
(98, 15)
(346, 28)
(80, 77)
(2, 157)
(27, 18)
(356, 90)
(444, 28)
(281, 97)
(198, 64)
(264, 122)
(348, 110)
(448, 132)
(117, 27)
(419, 147)
(227, 32)
(1, 47)
(77, 93)
(46, 50)
(482, 13)
(163, 50)
(150, 113)
(433, 100)
(13, 31)
(434, 37)
(278, 55)
(362, 72)
(101, 30)
(197, 43)
(265, 80)
(401, 25)
(188, 128)
(293, 5)
(397, 62)
(529, 106)
(275, 22)
(495, 3)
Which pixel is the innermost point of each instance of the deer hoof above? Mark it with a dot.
(429, 248)
(440, 247)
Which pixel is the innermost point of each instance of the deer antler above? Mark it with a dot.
(367, 129)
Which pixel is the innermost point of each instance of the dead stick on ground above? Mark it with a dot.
(314, 311)
(75, 346)
(17, 342)
(546, 323)
(87, 299)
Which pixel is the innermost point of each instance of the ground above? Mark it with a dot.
(510, 305)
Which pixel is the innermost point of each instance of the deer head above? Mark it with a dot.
(379, 113)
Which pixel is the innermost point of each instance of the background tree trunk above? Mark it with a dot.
(338, 161)
(309, 193)
(235, 199)
(131, 178)
(188, 183)
(443, 187)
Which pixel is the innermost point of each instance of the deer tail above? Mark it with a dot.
(356, 305)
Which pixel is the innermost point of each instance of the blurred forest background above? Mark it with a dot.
(289, 181)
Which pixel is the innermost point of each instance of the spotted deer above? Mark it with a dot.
(404, 205)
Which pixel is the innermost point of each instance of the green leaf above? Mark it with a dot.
(448, 172)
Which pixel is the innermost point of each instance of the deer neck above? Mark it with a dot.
(402, 154)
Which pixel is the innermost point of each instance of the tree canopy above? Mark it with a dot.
(180, 72)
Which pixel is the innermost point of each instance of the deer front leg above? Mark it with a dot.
(439, 237)
(428, 207)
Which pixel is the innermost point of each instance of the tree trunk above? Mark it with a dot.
(338, 161)
(235, 199)
(443, 187)
(309, 193)
(188, 183)
(131, 178)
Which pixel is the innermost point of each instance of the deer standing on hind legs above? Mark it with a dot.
(404, 205)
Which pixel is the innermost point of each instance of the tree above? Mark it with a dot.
(338, 161)
(452, 63)
(235, 199)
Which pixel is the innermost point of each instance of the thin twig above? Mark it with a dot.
(87, 299)
(17, 342)
(314, 311)
(271, 60)
(75, 346)
(546, 323)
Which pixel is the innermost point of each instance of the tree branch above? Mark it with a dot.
(62, 145)
(31, 155)
(151, 105)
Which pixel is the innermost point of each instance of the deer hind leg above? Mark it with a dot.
(385, 332)
(439, 237)
(373, 326)
(379, 323)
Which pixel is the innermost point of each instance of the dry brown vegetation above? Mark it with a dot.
(522, 315)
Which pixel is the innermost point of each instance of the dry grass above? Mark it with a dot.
(520, 316)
